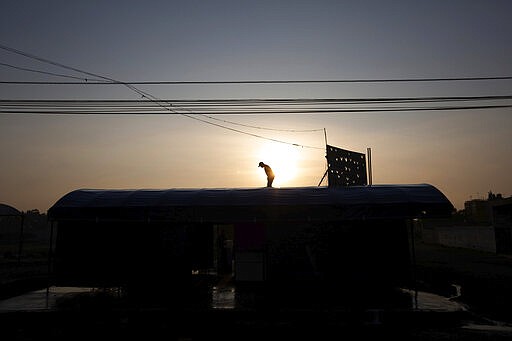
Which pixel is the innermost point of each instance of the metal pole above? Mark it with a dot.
(369, 152)
(20, 247)
(322, 179)
(413, 257)
(50, 259)
(326, 161)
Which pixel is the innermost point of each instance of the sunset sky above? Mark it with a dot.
(465, 152)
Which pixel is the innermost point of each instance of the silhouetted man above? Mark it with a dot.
(269, 172)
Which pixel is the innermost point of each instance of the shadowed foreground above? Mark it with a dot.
(216, 310)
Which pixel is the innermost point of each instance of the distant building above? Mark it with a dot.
(477, 211)
(487, 226)
(502, 220)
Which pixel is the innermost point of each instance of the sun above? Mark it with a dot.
(284, 161)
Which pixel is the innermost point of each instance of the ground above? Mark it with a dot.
(483, 281)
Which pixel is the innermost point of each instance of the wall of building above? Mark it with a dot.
(470, 237)
(502, 219)
(487, 226)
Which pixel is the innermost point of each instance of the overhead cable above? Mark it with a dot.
(46, 73)
(207, 108)
(304, 81)
(144, 94)
(282, 112)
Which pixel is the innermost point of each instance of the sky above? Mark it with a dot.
(464, 152)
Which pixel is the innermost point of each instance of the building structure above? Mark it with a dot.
(346, 240)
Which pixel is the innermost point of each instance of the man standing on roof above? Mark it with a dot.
(269, 172)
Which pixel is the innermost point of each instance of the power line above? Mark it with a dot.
(47, 61)
(263, 128)
(169, 107)
(110, 81)
(44, 72)
(259, 106)
(9, 111)
(255, 135)
(144, 95)
(256, 101)
(309, 81)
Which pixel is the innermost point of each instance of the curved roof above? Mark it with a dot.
(252, 204)
(6, 210)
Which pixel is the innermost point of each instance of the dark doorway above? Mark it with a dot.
(223, 236)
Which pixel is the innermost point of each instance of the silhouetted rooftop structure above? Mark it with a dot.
(254, 204)
(354, 238)
(7, 210)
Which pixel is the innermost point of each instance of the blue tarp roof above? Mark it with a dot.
(6, 210)
(250, 204)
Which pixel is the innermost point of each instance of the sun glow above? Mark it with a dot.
(284, 161)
